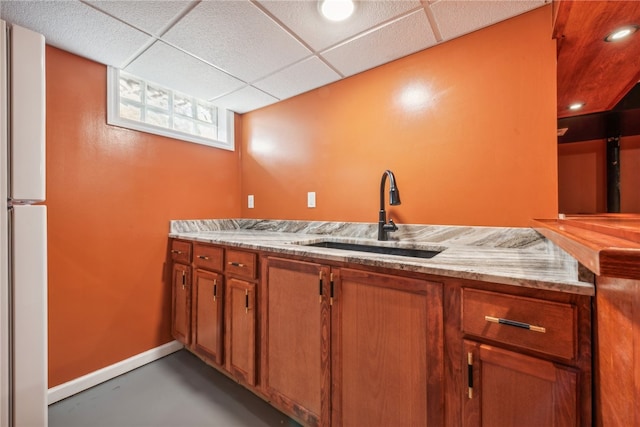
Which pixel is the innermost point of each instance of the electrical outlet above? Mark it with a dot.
(250, 201)
(311, 199)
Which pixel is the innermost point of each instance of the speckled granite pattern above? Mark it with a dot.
(513, 256)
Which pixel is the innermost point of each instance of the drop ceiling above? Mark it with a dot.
(247, 54)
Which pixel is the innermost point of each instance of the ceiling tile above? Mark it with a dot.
(152, 16)
(301, 77)
(395, 40)
(78, 28)
(237, 37)
(177, 70)
(304, 19)
(245, 100)
(458, 17)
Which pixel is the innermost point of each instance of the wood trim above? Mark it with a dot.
(601, 251)
(617, 359)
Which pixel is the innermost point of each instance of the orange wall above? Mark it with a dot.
(110, 194)
(582, 176)
(478, 149)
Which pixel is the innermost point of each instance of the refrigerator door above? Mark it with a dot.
(29, 272)
(4, 237)
(27, 116)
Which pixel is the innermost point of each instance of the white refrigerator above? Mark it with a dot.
(23, 229)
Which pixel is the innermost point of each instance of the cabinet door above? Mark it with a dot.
(510, 389)
(181, 303)
(387, 351)
(296, 339)
(241, 330)
(208, 310)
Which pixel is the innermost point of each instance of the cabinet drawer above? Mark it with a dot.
(181, 251)
(241, 263)
(207, 257)
(543, 326)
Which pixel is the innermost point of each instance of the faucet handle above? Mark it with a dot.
(392, 224)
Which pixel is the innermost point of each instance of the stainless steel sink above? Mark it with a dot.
(386, 250)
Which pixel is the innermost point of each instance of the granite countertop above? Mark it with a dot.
(511, 256)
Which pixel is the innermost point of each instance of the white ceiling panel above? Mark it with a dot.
(175, 69)
(245, 100)
(277, 46)
(395, 40)
(152, 16)
(301, 77)
(237, 37)
(78, 28)
(459, 17)
(304, 18)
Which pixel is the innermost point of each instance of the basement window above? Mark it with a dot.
(137, 104)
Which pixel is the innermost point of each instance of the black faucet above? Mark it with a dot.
(394, 199)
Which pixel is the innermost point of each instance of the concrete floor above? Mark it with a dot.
(178, 390)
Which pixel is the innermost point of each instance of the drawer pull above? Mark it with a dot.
(331, 294)
(235, 264)
(203, 257)
(470, 375)
(515, 323)
(175, 251)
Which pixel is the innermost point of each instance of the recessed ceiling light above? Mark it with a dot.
(336, 10)
(621, 33)
(576, 106)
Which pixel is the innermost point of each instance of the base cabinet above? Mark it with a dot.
(386, 351)
(332, 345)
(296, 338)
(208, 301)
(241, 330)
(346, 347)
(509, 389)
(181, 303)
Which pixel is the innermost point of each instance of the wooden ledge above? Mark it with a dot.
(608, 245)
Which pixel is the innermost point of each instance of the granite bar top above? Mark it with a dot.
(511, 256)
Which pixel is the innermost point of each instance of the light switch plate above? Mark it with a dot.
(250, 201)
(311, 199)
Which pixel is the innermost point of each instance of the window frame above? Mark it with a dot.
(225, 119)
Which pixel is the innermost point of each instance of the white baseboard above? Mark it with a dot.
(72, 387)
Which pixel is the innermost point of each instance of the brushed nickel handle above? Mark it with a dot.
(515, 323)
(203, 257)
(235, 264)
(175, 251)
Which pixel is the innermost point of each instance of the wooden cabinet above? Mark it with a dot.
(241, 330)
(296, 338)
(525, 362)
(340, 345)
(181, 303)
(387, 351)
(509, 389)
(346, 347)
(208, 300)
(181, 291)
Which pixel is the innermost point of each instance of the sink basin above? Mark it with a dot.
(416, 253)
